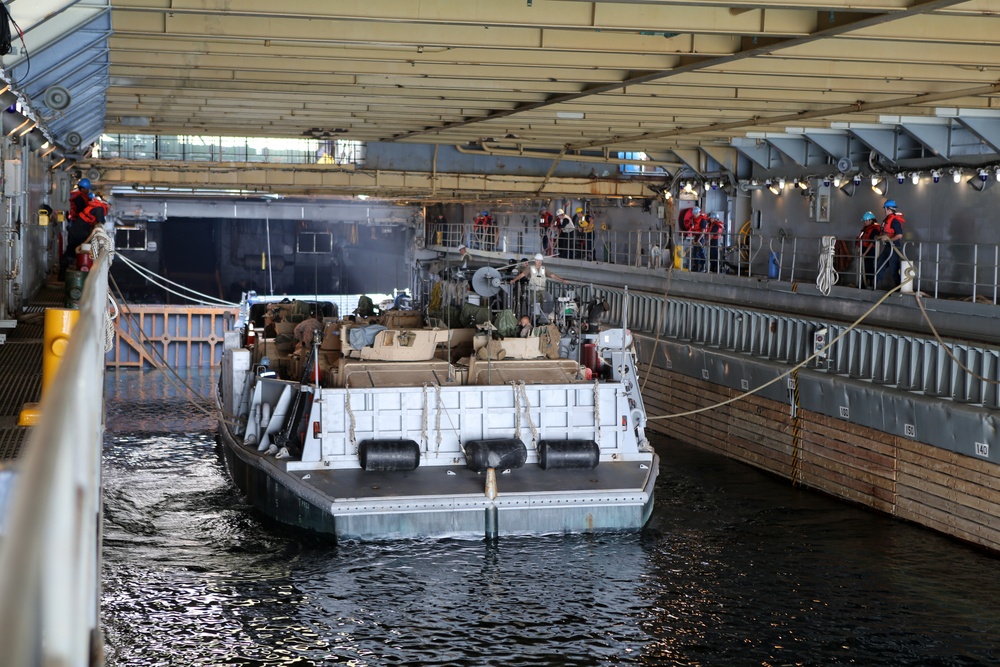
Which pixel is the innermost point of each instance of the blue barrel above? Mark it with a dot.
(773, 264)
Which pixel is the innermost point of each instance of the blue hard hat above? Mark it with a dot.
(696, 210)
(868, 216)
(84, 183)
(889, 203)
(486, 212)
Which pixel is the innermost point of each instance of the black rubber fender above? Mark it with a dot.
(388, 455)
(498, 453)
(568, 454)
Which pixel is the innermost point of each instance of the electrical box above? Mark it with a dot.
(12, 185)
(819, 342)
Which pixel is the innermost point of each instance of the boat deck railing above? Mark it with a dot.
(50, 551)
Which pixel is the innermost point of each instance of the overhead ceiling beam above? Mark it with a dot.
(831, 26)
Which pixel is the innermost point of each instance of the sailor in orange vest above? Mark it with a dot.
(686, 222)
(892, 234)
(714, 230)
(545, 220)
(78, 230)
(866, 248)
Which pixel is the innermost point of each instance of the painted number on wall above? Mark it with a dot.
(845, 412)
(983, 449)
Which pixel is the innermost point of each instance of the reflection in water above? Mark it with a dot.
(735, 568)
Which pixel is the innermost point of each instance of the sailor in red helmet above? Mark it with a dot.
(892, 235)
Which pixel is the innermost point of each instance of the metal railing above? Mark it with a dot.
(50, 555)
(969, 271)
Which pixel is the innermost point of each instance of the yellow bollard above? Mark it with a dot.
(59, 322)
(439, 236)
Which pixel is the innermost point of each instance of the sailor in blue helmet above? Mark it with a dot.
(79, 230)
(870, 231)
(892, 234)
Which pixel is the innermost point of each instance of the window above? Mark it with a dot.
(315, 243)
(130, 238)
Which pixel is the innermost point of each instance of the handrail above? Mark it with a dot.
(943, 270)
(50, 556)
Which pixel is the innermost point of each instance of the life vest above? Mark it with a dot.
(95, 213)
(566, 224)
(587, 224)
(537, 278)
(78, 201)
(483, 221)
(893, 224)
(686, 220)
(545, 219)
(715, 228)
(867, 236)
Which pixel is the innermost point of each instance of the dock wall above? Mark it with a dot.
(948, 491)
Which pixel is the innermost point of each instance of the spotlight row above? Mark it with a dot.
(879, 181)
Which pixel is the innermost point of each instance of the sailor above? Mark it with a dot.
(463, 258)
(79, 230)
(538, 278)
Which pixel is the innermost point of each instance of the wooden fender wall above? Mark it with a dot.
(948, 492)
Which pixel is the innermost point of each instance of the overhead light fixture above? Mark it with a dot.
(802, 183)
(667, 195)
(900, 178)
(781, 184)
(982, 175)
(775, 190)
(857, 180)
(879, 185)
(837, 181)
(362, 197)
(978, 182)
(936, 175)
(687, 186)
(956, 175)
(915, 177)
(997, 170)
(850, 187)
(827, 180)
(571, 115)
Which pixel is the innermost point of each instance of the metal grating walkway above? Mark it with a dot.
(21, 371)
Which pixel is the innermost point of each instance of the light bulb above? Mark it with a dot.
(874, 180)
(915, 177)
(956, 175)
(857, 179)
(936, 175)
(781, 184)
(837, 181)
(900, 178)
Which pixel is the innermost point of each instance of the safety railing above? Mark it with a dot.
(969, 271)
(50, 555)
(909, 363)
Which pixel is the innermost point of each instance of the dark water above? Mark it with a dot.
(735, 568)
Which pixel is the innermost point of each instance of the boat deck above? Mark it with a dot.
(609, 477)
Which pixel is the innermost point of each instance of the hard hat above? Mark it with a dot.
(560, 212)
(539, 256)
(696, 210)
(889, 203)
(868, 216)
(486, 212)
(579, 210)
(461, 247)
(84, 183)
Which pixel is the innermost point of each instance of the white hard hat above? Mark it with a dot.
(560, 212)
(539, 256)
(461, 247)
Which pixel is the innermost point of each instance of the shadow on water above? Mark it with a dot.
(734, 568)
